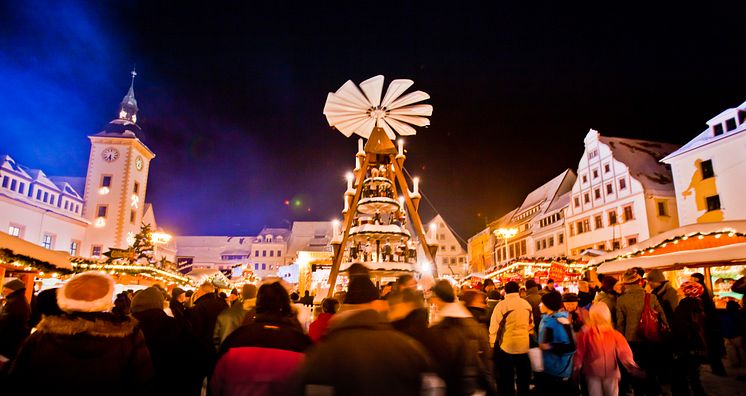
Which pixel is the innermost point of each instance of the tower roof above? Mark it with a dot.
(128, 106)
(125, 125)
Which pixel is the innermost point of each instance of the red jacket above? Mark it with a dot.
(598, 350)
(254, 371)
(318, 327)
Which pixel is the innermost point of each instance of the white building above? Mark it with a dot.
(622, 195)
(221, 253)
(709, 172)
(84, 216)
(451, 255)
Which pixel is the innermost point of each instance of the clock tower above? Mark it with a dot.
(116, 181)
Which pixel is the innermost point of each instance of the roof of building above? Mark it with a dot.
(312, 236)
(559, 202)
(643, 157)
(546, 192)
(275, 232)
(77, 183)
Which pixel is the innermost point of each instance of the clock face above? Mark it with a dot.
(138, 163)
(110, 154)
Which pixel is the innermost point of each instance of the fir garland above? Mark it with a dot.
(28, 263)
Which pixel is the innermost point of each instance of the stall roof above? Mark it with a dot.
(59, 259)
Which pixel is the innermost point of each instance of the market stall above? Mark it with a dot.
(564, 273)
(717, 250)
(27, 261)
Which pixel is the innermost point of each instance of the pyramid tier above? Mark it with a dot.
(377, 204)
(374, 182)
(382, 232)
(382, 266)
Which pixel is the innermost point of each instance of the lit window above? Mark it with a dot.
(74, 247)
(713, 203)
(46, 241)
(14, 230)
(96, 251)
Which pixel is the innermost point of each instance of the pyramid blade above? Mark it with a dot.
(372, 88)
(367, 127)
(412, 97)
(400, 127)
(351, 125)
(414, 110)
(350, 92)
(340, 119)
(334, 102)
(386, 128)
(396, 88)
(414, 120)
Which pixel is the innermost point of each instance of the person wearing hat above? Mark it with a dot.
(688, 340)
(204, 315)
(511, 327)
(459, 345)
(611, 288)
(576, 314)
(362, 354)
(629, 307)
(533, 298)
(176, 304)
(239, 313)
(661, 287)
(14, 317)
(87, 350)
(558, 347)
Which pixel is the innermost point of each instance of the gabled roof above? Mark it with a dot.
(39, 176)
(559, 203)
(643, 157)
(283, 232)
(546, 192)
(450, 230)
(77, 184)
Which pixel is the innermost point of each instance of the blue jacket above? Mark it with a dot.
(555, 329)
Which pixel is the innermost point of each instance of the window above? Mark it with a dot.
(96, 251)
(550, 241)
(22, 187)
(628, 214)
(730, 124)
(601, 246)
(264, 253)
(101, 210)
(46, 241)
(38, 195)
(577, 201)
(622, 183)
(14, 230)
(442, 237)
(256, 253)
(560, 238)
(609, 189)
(460, 259)
(583, 226)
(264, 266)
(597, 193)
(136, 188)
(256, 266)
(585, 179)
(612, 217)
(599, 222)
(586, 198)
(631, 241)
(74, 247)
(741, 117)
(607, 168)
(51, 199)
(543, 243)
(707, 170)
(6, 179)
(13, 184)
(538, 245)
(592, 154)
(271, 253)
(279, 253)
(662, 208)
(46, 196)
(713, 203)
(453, 248)
(595, 173)
(106, 181)
(133, 216)
(67, 205)
(717, 130)
(615, 245)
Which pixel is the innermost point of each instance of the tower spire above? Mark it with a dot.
(128, 106)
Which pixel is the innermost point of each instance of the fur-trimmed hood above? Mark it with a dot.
(94, 325)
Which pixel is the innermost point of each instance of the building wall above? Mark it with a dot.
(480, 251)
(550, 240)
(34, 223)
(728, 158)
(451, 256)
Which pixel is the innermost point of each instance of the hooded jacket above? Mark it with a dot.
(14, 317)
(599, 350)
(555, 329)
(513, 319)
(84, 354)
(668, 298)
(629, 311)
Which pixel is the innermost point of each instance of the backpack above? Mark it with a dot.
(650, 328)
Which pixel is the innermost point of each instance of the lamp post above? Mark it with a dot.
(505, 234)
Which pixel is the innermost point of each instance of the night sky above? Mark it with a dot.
(231, 94)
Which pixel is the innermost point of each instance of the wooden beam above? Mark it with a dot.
(349, 216)
(413, 215)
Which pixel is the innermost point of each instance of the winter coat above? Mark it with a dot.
(610, 300)
(687, 331)
(204, 316)
(230, 319)
(177, 356)
(363, 355)
(258, 358)
(84, 354)
(318, 327)
(414, 324)
(480, 315)
(555, 329)
(668, 297)
(599, 350)
(461, 352)
(512, 321)
(534, 298)
(629, 311)
(179, 311)
(14, 328)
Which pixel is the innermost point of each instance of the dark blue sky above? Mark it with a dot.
(231, 94)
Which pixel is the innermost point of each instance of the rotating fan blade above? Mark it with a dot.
(414, 120)
(389, 132)
(334, 103)
(367, 127)
(335, 119)
(396, 88)
(425, 110)
(402, 128)
(372, 88)
(413, 97)
(350, 92)
(351, 126)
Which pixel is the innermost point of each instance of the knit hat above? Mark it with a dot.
(699, 277)
(361, 290)
(655, 275)
(552, 300)
(15, 285)
(570, 297)
(90, 291)
(692, 289)
(444, 291)
(150, 298)
(630, 276)
(176, 292)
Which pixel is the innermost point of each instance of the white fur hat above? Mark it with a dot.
(90, 291)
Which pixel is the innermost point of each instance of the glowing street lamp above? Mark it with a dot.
(505, 234)
(160, 237)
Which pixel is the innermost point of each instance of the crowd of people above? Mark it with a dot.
(635, 334)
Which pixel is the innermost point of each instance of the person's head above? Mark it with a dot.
(204, 289)
(530, 283)
(442, 293)
(522, 292)
(474, 298)
(570, 302)
(407, 281)
(608, 285)
(402, 302)
(147, 299)
(583, 287)
(13, 286)
(361, 292)
(329, 305)
(511, 287)
(600, 315)
(358, 269)
(655, 278)
(248, 291)
(551, 302)
(90, 291)
(386, 289)
(550, 284)
(692, 289)
(697, 277)
(272, 298)
(631, 277)
(234, 295)
(178, 294)
(488, 285)
(46, 303)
